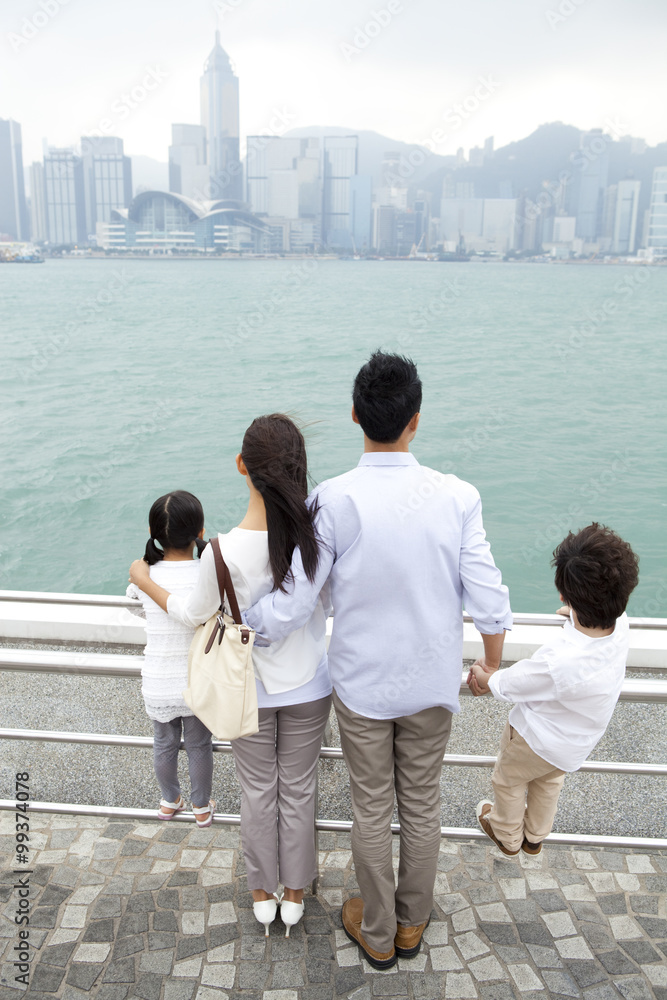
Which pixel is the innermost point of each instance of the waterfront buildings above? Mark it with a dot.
(37, 203)
(487, 225)
(64, 198)
(219, 91)
(161, 222)
(624, 238)
(107, 179)
(591, 171)
(657, 220)
(13, 209)
(188, 169)
(339, 165)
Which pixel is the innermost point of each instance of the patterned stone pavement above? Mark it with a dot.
(122, 909)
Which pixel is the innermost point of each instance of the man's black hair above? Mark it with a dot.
(387, 393)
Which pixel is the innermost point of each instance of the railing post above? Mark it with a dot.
(313, 887)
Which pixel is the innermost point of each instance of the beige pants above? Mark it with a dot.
(384, 756)
(526, 789)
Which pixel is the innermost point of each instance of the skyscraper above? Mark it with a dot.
(657, 220)
(64, 197)
(107, 178)
(591, 162)
(338, 166)
(220, 118)
(625, 220)
(13, 208)
(37, 204)
(188, 171)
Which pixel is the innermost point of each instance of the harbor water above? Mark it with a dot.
(121, 380)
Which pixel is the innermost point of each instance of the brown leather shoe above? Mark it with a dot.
(529, 848)
(352, 914)
(408, 940)
(483, 808)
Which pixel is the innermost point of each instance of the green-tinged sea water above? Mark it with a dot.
(543, 385)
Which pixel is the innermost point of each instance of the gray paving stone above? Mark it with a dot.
(480, 894)
(127, 946)
(179, 989)
(318, 947)
(165, 921)
(585, 972)
(192, 944)
(112, 991)
(286, 975)
(590, 912)
(133, 848)
(182, 878)
(544, 958)
(46, 978)
(145, 883)
(499, 933)
(163, 852)
(220, 893)
(253, 975)
(522, 910)
(168, 899)
(616, 963)
(140, 902)
(534, 933)
(44, 916)
(253, 949)
(159, 962)
(498, 991)
(655, 883)
(64, 875)
(317, 925)
(148, 987)
(506, 869)
(54, 895)
(606, 992)
(132, 923)
(655, 927)
(99, 930)
(83, 974)
(549, 901)
(106, 906)
(634, 988)
(121, 971)
(613, 903)
(119, 885)
(57, 954)
(348, 979)
(427, 985)
(562, 983)
(174, 834)
(117, 831)
(318, 971)
(597, 936)
(193, 898)
(642, 952)
(510, 955)
(160, 941)
(643, 903)
(223, 934)
(390, 986)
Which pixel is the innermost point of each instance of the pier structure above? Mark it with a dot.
(123, 906)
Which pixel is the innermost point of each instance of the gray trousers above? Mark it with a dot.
(277, 771)
(383, 756)
(167, 740)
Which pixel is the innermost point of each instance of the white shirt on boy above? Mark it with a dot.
(564, 695)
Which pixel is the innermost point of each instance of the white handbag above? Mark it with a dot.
(221, 687)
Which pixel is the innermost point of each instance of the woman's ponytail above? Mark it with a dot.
(152, 554)
(201, 545)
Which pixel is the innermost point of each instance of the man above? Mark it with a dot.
(403, 548)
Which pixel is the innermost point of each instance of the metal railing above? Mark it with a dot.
(105, 664)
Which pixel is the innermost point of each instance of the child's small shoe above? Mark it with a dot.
(483, 809)
(168, 810)
(206, 812)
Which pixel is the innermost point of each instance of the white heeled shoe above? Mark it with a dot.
(265, 912)
(290, 914)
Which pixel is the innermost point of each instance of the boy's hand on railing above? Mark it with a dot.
(478, 677)
(139, 573)
(565, 611)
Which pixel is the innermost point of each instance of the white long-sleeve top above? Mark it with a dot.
(290, 672)
(564, 695)
(164, 674)
(404, 548)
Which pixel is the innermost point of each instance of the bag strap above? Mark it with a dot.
(225, 581)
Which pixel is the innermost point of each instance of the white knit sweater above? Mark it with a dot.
(164, 675)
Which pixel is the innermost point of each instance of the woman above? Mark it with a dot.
(277, 767)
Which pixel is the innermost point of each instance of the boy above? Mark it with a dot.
(564, 695)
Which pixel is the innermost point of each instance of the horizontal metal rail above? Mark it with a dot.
(336, 826)
(118, 601)
(326, 753)
(112, 665)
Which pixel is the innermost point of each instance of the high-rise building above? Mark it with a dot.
(591, 164)
(13, 209)
(339, 165)
(484, 224)
(107, 178)
(188, 170)
(37, 203)
(361, 211)
(422, 210)
(220, 118)
(64, 197)
(657, 222)
(283, 177)
(624, 238)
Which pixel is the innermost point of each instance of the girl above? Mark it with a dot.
(176, 524)
(277, 767)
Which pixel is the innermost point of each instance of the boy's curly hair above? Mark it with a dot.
(596, 571)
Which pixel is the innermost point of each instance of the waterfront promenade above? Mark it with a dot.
(124, 909)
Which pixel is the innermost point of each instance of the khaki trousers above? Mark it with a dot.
(526, 789)
(277, 771)
(383, 756)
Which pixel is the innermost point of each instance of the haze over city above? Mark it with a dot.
(394, 67)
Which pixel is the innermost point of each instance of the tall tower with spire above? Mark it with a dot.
(220, 118)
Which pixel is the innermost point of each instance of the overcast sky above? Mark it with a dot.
(584, 62)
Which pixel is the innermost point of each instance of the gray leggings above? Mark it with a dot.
(167, 740)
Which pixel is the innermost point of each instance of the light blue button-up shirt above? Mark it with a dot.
(404, 549)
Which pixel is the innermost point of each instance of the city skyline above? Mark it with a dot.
(391, 67)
